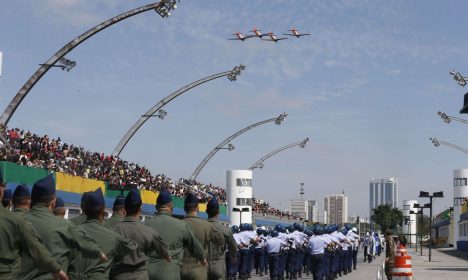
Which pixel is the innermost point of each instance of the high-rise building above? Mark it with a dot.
(336, 207)
(312, 211)
(299, 207)
(383, 191)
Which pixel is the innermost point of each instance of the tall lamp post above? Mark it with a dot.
(426, 194)
(259, 163)
(240, 210)
(157, 111)
(462, 81)
(278, 120)
(163, 8)
(408, 223)
(420, 212)
(437, 143)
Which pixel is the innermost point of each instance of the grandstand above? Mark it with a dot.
(77, 170)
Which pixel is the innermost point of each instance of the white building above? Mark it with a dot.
(383, 191)
(298, 207)
(409, 226)
(239, 196)
(336, 207)
(460, 192)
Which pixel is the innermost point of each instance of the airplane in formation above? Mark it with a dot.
(240, 36)
(272, 37)
(295, 32)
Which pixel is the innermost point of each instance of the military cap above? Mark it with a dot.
(119, 201)
(21, 191)
(59, 202)
(212, 204)
(94, 200)
(191, 199)
(44, 187)
(133, 198)
(164, 197)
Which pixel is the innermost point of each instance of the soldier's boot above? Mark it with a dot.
(287, 275)
(350, 270)
(299, 275)
(339, 273)
(354, 267)
(256, 271)
(345, 272)
(248, 275)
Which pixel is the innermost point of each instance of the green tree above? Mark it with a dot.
(387, 217)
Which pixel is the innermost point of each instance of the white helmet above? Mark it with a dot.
(354, 229)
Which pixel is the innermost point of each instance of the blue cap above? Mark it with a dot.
(94, 201)
(235, 229)
(43, 187)
(21, 191)
(133, 198)
(212, 205)
(164, 197)
(7, 195)
(191, 199)
(59, 202)
(119, 201)
(274, 233)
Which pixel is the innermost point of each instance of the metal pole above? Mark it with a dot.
(16, 101)
(421, 231)
(259, 163)
(278, 120)
(430, 227)
(232, 76)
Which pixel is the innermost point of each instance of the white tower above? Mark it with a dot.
(239, 196)
(460, 191)
(410, 227)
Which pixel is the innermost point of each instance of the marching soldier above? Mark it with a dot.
(118, 212)
(111, 243)
(234, 266)
(273, 247)
(222, 239)
(61, 238)
(354, 234)
(21, 200)
(259, 253)
(59, 209)
(389, 254)
(191, 269)
(177, 235)
(17, 239)
(317, 248)
(148, 240)
(78, 220)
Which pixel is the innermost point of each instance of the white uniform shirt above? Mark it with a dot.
(317, 245)
(273, 245)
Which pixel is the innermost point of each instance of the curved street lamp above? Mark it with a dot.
(231, 75)
(278, 120)
(259, 163)
(437, 143)
(163, 8)
(447, 119)
(459, 78)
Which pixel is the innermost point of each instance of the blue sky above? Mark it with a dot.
(365, 87)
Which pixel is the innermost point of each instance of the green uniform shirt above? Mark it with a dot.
(61, 238)
(178, 236)
(112, 245)
(221, 239)
(191, 267)
(115, 219)
(17, 239)
(78, 220)
(20, 212)
(148, 240)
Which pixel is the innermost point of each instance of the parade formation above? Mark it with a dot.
(37, 243)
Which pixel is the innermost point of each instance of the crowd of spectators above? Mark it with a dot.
(29, 149)
(262, 207)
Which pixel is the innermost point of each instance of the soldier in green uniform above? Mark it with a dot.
(6, 200)
(389, 253)
(21, 200)
(111, 243)
(177, 235)
(61, 238)
(118, 212)
(217, 250)
(78, 220)
(18, 239)
(148, 240)
(191, 268)
(59, 209)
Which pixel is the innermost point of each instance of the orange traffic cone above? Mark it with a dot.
(402, 269)
(401, 250)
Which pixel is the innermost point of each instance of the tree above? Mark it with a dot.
(387, 217)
